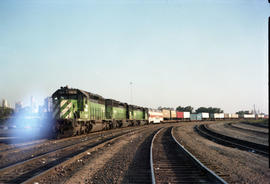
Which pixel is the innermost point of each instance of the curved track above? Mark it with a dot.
(262, 125)
(31, 167)
(204, 131)
(172, 163)
(252, 131)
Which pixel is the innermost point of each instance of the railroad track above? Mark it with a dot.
(252, 131)
(140, 171)
(172, 163)
(9, 147)
(14, 155)
(262, 125)
(31, 169)
(204, 131)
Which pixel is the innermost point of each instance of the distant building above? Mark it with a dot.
(48, 104)
(18, 106)
(33, 105)
(4, 103)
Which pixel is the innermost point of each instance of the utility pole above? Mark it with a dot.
(254, 109)
(131, 92)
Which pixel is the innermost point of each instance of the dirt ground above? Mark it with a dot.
(255, 137)
(233, 165)
(113, 162)
(125, 160)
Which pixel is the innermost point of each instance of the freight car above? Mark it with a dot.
(247, 116)
(173, 115)
(217, 116)
(166, 114)
(196, 117)
(204, 115)
(77, 112)
(155, 115)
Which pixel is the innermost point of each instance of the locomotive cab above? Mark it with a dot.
(66, 104)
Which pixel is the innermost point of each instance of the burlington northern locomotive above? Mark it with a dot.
(77, 112)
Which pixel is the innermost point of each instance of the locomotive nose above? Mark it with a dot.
(62, 110)
(65, 109)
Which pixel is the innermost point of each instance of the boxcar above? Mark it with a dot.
(227, 116)
(166, 114)
(179, 115)
(173, 114)
(193, 117)
(234, 116)
(186, 116)
(247, 116)
(204, 115)
(217, 116)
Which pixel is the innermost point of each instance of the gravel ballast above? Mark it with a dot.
(233, 165)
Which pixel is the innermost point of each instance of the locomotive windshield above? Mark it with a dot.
(66, 96)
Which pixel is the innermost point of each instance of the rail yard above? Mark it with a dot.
(89, 139)
(134, 92)
(178, 152)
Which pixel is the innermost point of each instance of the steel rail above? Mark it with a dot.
(250, 130)
(185, 166)
(197, 161)
(232, 142)
(60, 160)
(256, 124)
(47, 172)
(71, 143)
(151, 157)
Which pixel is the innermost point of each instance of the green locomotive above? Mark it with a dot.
(78, 112)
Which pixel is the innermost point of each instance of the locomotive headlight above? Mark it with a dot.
(86, 107)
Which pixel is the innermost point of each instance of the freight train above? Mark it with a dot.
(77, 112)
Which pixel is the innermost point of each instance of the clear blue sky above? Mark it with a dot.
(198, 53)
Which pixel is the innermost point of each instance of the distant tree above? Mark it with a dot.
(242, 112)
(185, 109)
(188, 109)
(179, 108)
(167, 108)
(6, 112)
(209, 110)
(216, 110)
(201, 109)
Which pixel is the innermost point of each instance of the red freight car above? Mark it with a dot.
(179, 115)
